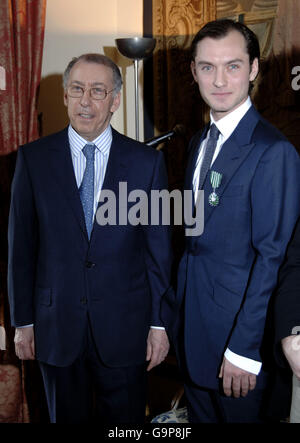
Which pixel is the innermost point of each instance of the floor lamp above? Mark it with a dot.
(136, 48)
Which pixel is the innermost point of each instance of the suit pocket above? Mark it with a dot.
(225, 298)
(44, 296)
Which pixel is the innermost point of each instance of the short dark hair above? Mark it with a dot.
(100, 59)
(220, 28)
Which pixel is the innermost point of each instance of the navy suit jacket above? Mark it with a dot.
(287, 296)
(226, 275)
(57, 277)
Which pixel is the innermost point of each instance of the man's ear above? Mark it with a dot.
(254, 70)
(116, 102)
(65, 98)
(193, 69)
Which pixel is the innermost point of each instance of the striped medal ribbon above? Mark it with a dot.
(215, 180)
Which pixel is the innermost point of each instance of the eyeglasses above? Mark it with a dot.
(96, 93)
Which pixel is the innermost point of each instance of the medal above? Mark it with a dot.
(213, 199)
(215, 180)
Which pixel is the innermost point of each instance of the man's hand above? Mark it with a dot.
(236, 381)
(291, 350)
(157, 347)
(24, 343)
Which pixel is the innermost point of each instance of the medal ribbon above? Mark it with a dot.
(215, 179)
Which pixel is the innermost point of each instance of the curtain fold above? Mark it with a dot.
(22, 24)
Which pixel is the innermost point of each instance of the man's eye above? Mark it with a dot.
(233, 67)
(206, 68)
(76, 88)
(98, 91)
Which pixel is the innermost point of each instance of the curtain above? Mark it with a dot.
(21, 42)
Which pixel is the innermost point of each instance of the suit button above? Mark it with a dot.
(83, 300)
(90, 264)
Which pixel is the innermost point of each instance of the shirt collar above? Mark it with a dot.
(102, 142)
(227, 124)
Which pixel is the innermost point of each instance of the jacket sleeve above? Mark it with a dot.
(22, 245)
(158, 255)
(275, 207)
(287, 295)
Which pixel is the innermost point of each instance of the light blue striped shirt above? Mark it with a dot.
(103, 144)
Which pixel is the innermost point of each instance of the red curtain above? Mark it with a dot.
(22, 24)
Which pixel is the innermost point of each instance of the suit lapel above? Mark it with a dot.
(116, 170)
(194, 149)
(229, 160)
(233, 153)
(63, 170)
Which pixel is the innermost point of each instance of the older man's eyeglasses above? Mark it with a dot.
(96, 92)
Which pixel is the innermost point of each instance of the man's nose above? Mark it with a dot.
(220, 78)
(85, 99)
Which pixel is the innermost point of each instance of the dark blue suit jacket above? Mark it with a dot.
(226, 275)
(287, 296)
(57, 278)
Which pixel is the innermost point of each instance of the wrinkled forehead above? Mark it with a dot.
(90, 73)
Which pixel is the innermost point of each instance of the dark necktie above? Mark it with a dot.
(86, 189)
(209, 153)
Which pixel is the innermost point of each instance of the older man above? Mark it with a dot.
(85, 297)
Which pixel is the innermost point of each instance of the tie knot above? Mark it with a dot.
(89, 151)
(214, 132)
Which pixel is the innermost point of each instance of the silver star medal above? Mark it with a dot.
(215, 180)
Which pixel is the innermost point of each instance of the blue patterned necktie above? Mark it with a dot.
(86, 189)
(209, 153)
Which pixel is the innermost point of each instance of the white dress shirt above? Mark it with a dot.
(226, 126)
(103, 144)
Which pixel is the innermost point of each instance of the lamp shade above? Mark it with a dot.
(136, 48)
